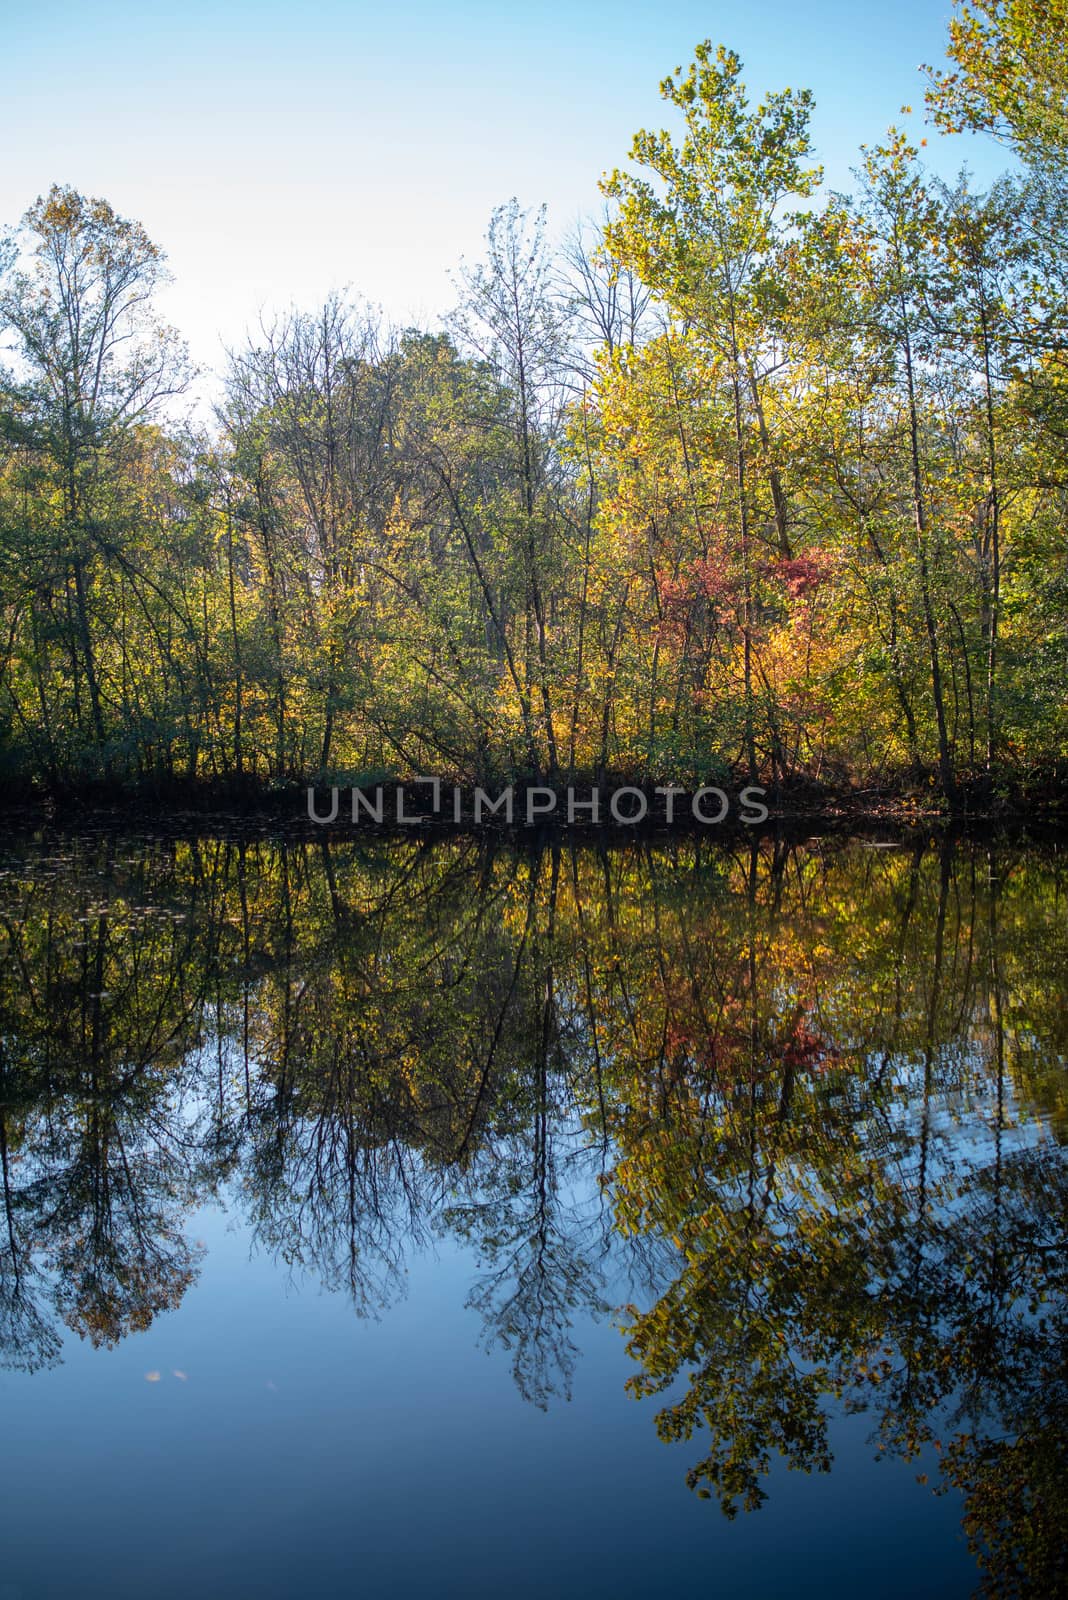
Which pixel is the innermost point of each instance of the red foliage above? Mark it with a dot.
(801, 575)
(701, 582)
(803, 1049)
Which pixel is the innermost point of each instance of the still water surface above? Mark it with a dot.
(391, 1218)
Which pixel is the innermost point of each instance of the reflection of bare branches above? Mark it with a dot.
(326, 1198)
(527, 1304)
(538, 1275)
(28, 1338)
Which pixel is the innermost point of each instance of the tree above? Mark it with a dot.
(1011, 75)
(93, 367)
(510, 317)
(703, 232)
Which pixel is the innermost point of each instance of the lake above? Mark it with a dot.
(454, 1218)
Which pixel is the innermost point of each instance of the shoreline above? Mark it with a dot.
(801, 807)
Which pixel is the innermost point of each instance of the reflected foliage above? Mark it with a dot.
(793, 1116)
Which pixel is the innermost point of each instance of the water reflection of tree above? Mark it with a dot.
(97, 1013)
(28, 1339)
(829, 1239)
(536, 1264)
(777, 1090)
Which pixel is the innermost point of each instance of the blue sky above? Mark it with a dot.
(279, 151)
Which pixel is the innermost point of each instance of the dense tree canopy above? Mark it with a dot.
(758, 480)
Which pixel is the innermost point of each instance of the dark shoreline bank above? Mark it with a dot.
(797, 809)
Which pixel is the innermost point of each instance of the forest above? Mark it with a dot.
(748, 479)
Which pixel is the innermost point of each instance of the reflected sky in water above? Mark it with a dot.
(448, 1220)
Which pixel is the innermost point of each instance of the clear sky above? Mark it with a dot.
(279, 151)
